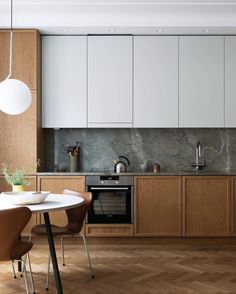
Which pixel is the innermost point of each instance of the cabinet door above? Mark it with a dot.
(230, 85)
(206, 206)
(201, 81)
(233, 206)
(56, 184)
(64, 81)
(110, 81)
(155, 81)
(158, 206)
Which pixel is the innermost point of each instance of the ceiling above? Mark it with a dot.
(122, 16)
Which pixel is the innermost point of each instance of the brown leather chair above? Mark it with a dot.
(74, 226)
(12, 223)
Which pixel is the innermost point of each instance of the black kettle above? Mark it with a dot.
(121, 166)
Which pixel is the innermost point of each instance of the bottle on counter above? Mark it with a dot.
(156, 167)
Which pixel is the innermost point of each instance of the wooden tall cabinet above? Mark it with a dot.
(158, 206)
(21, 137)
(56, 184)
(206, 206)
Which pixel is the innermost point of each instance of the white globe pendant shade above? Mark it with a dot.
(15, 96)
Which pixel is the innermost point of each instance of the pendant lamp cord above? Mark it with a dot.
(11, 45)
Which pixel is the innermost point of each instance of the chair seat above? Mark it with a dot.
(56, 230)
(20, 249)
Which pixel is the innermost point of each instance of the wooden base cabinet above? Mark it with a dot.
(233, 206)
(206, 206)
(56, 184)
(32, 187)
(158, 206)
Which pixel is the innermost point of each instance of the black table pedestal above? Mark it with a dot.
(53, 253)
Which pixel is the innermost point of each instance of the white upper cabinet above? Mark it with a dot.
(110, 81)
(155, 81)
(230, 81)
(201, 81)
(64, 81)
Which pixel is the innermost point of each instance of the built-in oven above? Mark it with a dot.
(112, 199)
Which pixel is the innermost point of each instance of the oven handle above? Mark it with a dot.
(107, 188)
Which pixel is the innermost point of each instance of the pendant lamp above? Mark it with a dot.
(15, 95)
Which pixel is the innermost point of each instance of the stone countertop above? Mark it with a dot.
(140, 173)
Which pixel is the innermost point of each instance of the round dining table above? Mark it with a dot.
(54, 202)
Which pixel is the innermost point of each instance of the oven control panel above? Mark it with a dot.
(109, 180)
(106, 180)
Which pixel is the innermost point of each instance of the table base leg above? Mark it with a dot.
(53, 253)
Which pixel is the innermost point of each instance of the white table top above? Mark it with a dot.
(53, 202)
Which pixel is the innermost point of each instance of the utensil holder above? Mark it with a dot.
(73, 163)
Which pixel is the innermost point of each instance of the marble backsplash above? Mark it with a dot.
(174, 149)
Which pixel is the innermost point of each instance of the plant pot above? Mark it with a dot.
(17, 188)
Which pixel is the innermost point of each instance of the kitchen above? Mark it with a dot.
(183, 62)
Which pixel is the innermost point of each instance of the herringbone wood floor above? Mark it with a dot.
(142, 266)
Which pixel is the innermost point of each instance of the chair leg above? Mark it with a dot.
(22, 265)
(86, 248)
(31, 275)
(62, 251)
(48, 274)
(25, 275)
(13, 268)
(22, 270)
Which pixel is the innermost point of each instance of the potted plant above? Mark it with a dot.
(15, 178)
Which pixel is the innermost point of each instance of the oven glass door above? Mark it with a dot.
(110, 205)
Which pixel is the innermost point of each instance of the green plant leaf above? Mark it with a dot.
(17, 177)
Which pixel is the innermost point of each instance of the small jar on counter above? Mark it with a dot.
(156, 167)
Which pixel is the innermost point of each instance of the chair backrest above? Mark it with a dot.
(77, 215)
(12, 223)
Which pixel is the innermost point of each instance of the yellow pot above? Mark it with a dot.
(17, 188)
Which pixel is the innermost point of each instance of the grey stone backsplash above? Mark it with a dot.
(174, 149)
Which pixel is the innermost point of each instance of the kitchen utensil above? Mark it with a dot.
(121, 165)
(73, 150)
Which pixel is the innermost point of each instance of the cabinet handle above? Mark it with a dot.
(110, 188)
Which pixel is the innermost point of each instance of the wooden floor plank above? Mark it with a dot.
(139, 268)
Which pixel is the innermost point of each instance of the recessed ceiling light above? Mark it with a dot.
(205, 30)
(112, 30)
